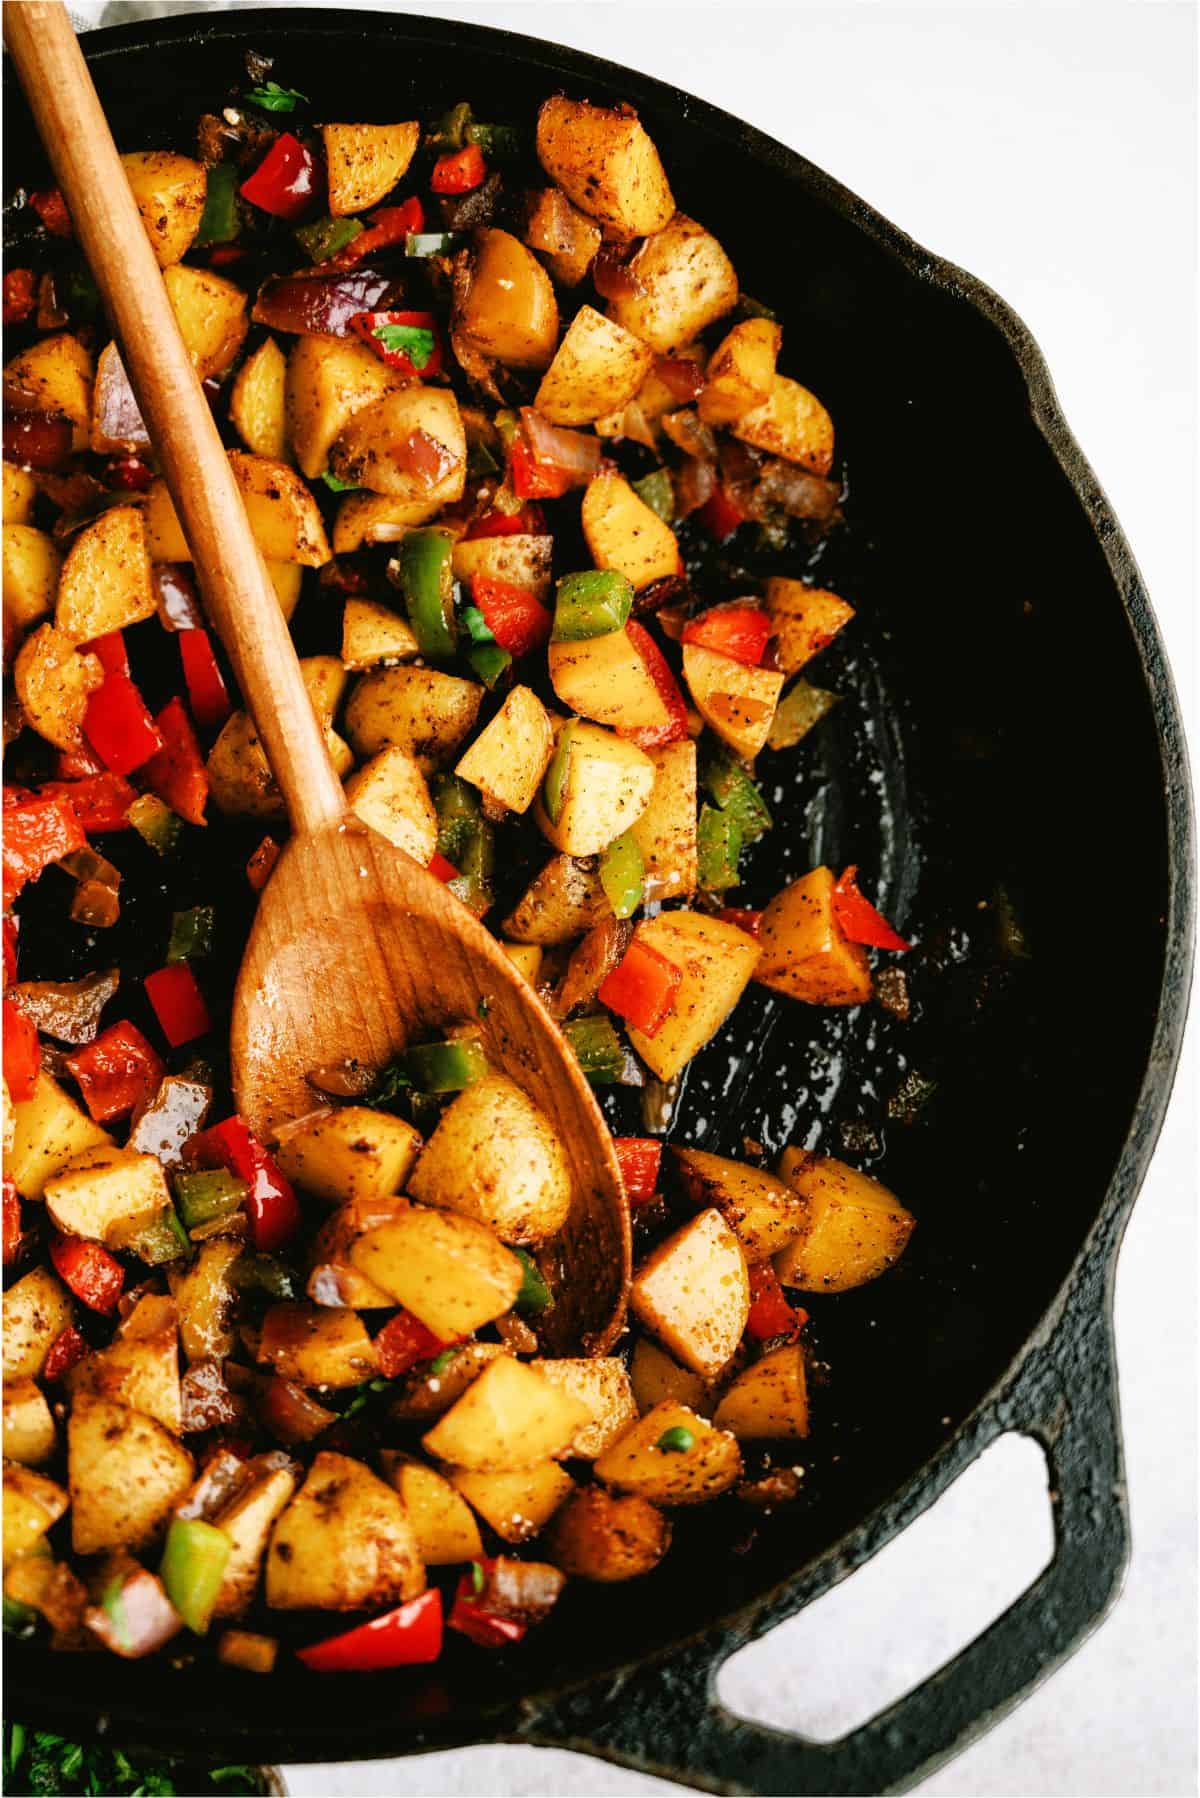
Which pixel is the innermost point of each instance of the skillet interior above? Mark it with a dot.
(996, 731)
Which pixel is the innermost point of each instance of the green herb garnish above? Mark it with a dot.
(477, 1578)
(414, 341)
(273, 98)
(441, 1362)
(336, 486)
(534, 1295)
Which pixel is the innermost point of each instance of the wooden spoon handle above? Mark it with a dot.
(237, 589)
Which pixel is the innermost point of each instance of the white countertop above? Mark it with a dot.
(1049, 149)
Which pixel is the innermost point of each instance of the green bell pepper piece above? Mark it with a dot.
(592, 604)
(723, 776)
(201, 1197)
(718, 845)
(427, 582)
(192, 1568)
(534, 1295)
(19, 1619)
(448, 1066)
(554, 782)
(450, 131)
(325, 237)
(596, 1047)
(155, 823)
(466, 839)
(263, 1273)
(499, 141)
(655, 490)
(163, 1239)
(219, 222)
(191, 933)
(623, 875)
(431, 243)
(489, 662)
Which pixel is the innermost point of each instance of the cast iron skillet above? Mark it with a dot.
(1008, 740)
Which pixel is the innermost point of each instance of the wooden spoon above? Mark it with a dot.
(356, 947)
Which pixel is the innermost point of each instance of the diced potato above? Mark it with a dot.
(248, 1520)
(687, 283)
(737, 700)
(283, 515)
(106, 1194)
(389, 793)
(517, 1504)
(105, 583)
(605, 163)
(54, 681)
(139, 1371)
(31, 564)
(666, 831)
(427, 1395)
(804, 952)
(604, 791)
(334, 1280)
(372, 633)
(51, 1129)
(741, 371)
(344, 1543)
(446, 1531)
(607, 680)
(211, 314)
(329, 379)
(239, 775)
(170, 191)
(32, 1503)
(364, 162)
(521, 559)
(562, 235)
(805, 619)
(510, 755)
(164, 533)
(248, 1650)
(640, 419)
(510, 313)
(561, 902)
(693, 1293)
(317, 1346)
(655, 1377)
(257, 405)
(623, 533)
(526, 958)
(763, 1211)
(793, 424)
(349, 1154)
(206, 1300)
(420, 710)
(603, 1385)
(55, 374)
(379, 518)
(37, 1309)
(672, 1476)
(126, 1474)
(287, 578)
(29, 1434)
(597, 1536)
(447, 1270)
(374, 448)
(325, 683)
(717, 960)
(495, 1158)
(510, 1417)
(768, 1399)
(20, 491)
(596, 368)
(857, 1228)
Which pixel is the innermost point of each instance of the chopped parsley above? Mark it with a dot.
(414, 341)
(273, 98)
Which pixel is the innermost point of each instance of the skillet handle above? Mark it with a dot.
(666, 1719)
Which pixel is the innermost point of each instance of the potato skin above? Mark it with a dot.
(257, 407)
(36, 1308)
(364, 162)
(170, 191)
(344, 1543)
(762, 1210)
(212, 317)
(105, 582)
(57, 373)
(420, 710)
(126, 1473)
(688, 283)
(856, 1228)
(804, 951)
(606, 164)
(495, 1158)
(54, 681)
(596, 368)
(635, 1463)
(560, 903)
(510, 312)
(769, 1399)
(328, 380)
(599, 1536)
(368, 450)
(791, 423)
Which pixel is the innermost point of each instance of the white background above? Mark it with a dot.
(1049, 148)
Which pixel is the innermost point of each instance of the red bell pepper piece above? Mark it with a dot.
(94, 1276)
(77, 764)
(271, 1203)
(527, 522)
(459, 172)
(222, 254)
(130, 473)
(118, 726)
(40, 440)
(11, 930)
(719, 516)
(368, 326)
(285, 182)
(770, 1314)
(12, 1222)
(473, 1620)
(516, 618)
(445, 871)
(638, 1158)
(20, 295)
(642, 988)
(177, 773)
(532, 479)
(22, 1056)
(658, 668)
(51, 208)
(739, 631)
(110, 651)
(402, 1342)
(37, 831)
(116, 1071)
(857, 917)
(179, 1005)
(407, 1637)
(101, 801)
(66, 1351)
(258, 868)
(389, 226)
(208, 695)
(745, 919)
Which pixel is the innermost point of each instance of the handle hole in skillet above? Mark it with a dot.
(898, 1619)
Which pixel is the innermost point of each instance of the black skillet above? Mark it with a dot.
(1007, 767)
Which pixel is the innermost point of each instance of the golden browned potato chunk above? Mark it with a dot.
(562, 235)
(54, 375)
(693, 1293)
(247, 1520)
(516, 1504)
(717, 960)
(510, 755)
(447, 1270)
(793, 424)
(421, 710)
(344, 1543)
(803, 950)
(768, 1399)
(32, 1503)
(31, 565)
(139, 1371)
(737, 700)
(317, 1346)
(857, 1228)
(334, 1279)
(389, 793)
(373, 633)
(37, 1309)
(106, 1194)
(603, 1385)
(806, 619)
(666, 831)
(206, 1300)
(495, 1158)
(687, 282)
(354, 1153)
(523, 559)
(598, 1536)
(364, 162)
(740, 372)
(763, 1211)
(105, 582)
(54, 681)
(426, 1394)
(511, 1416)
(623, 533)
(604, 790)
(446, 1531)
(561, 902)
(257, 403)
(50, 1129)
(605, 163)
(170, 191)
(211, 314)
(672, 1457)
(29, 1433)
(510, 313)
(596, 368)
(409, 444)
(328, 380)
(654, 1377)
(19, 494)
(126, 1474)
(379, 518)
